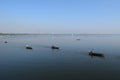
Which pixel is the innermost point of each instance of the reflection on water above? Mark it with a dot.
(70, 62)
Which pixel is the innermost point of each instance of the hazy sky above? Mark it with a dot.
(60, 16)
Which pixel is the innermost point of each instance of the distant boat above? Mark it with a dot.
(5, 42)
(28, 47)
(78, 39)
(91, 53)
(54, 47)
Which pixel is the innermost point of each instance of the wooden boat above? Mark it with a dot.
(91, 53)
(28, 47)
(54, 47)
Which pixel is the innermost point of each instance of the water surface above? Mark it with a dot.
(71, 62)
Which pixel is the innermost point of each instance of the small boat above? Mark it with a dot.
(78, 39)
(28, 47)
(5, 42)
(91, 53)
(54, 47)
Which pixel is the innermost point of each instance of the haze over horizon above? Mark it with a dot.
(60, 16)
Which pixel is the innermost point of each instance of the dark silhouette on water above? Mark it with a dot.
(91, 53)
(28, 47)
(54, 47)
(5, 42)
(78, 39)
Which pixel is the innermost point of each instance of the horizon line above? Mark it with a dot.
(60, 34)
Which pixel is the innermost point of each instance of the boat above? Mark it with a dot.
(28, 47)
(78, 39)
(54, 47)
(5, 42)
(91, 53)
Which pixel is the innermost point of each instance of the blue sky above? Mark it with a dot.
(60, 16)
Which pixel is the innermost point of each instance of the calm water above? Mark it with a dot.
(71, 62)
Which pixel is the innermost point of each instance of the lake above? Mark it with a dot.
(70, 62)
